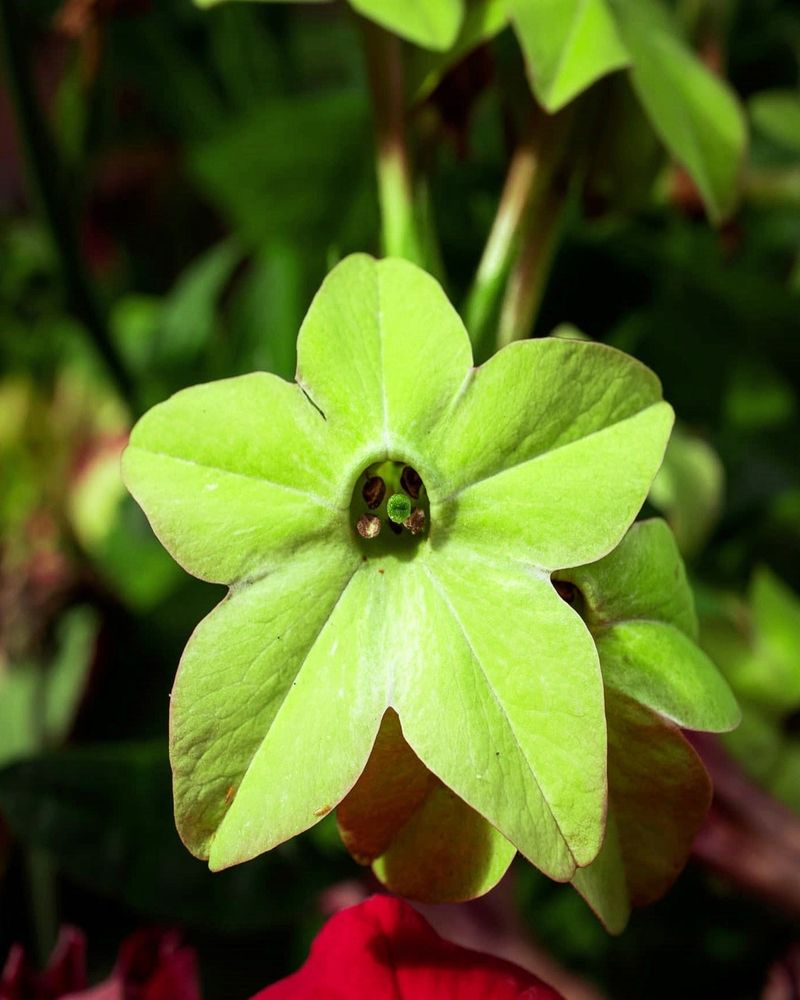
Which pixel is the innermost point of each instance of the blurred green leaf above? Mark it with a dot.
(568, 44)
(190, 310)
(39, 701)
(758, 397)
(689, 490)
(104, 813)
(776, 114)
(290, 168)
(695, 114)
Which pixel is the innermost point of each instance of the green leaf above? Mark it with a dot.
(770, 675)
(189, 317)
(659, 794)
(689, 490)
(537, 480)
(568, 44)
(249, 169)
(103, 813)
(39, 701)
(776, 114)
(695, 114)
(422, 840)
(432, 25)
(483, 20)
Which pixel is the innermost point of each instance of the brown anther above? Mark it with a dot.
(415, 522)
(373, 492)
(368, 526)
(410, 481)
(566, 591)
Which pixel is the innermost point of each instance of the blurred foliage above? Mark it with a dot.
(219, 162)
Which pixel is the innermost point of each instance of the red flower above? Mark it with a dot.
(384, 948)
(151, 965)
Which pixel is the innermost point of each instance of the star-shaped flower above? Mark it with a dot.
(388, 527)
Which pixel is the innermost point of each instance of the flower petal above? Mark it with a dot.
(643, 578)
(383, 354)
(659, 666)
(423, 841)
(323, 730)
(233, 682)
(550, 452)
(659, 794)
(234, 475)
(506, 707)
(384, 948)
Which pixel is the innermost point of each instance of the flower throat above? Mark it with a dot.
(390, 507)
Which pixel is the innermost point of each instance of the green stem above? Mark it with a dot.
(384, 59)
(528, 279)
(540, 230)
(500, 246)
(49, 192)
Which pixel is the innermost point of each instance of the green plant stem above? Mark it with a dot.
(384, 60)
(48, 191)
(539, 229)
(498, 252)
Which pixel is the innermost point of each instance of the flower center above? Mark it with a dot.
(389, 509)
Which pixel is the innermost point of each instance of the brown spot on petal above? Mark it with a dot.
(323, 810)
(368, 526)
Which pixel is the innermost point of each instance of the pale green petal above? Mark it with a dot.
(568, 44)
(323, 730)
(603, 884)
(234, 676)
(659, 794)
(446, 852)
(644, 577)
(504, 704)
(550, 452)
(235, 475)
(383, 354)
(571, 504)
(659, 666)
(422, 840)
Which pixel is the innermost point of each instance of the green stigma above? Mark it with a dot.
(398, 507)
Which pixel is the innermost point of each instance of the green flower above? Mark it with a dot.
(340, 608)
(426, 843)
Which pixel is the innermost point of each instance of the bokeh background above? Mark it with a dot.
(205, 169)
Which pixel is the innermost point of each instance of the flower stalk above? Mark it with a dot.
(385, 73)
